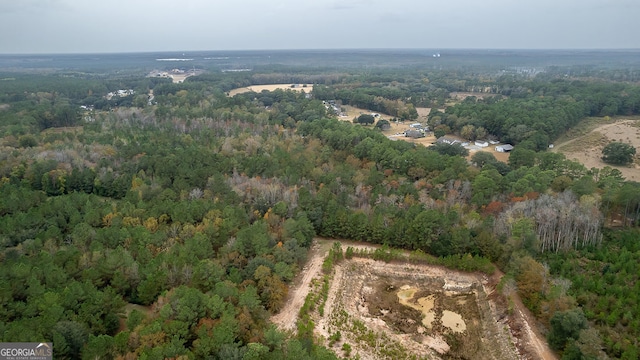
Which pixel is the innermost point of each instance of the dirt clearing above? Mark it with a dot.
(587, 148)
(397, 310)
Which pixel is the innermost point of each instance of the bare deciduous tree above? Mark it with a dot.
(561, 222)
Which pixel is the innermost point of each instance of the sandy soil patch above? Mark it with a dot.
(503, 157)
(271, 87)
(442, 318)
(468, 318)
(287, 317)
(587, 149)
(178, 78)
(423, 113)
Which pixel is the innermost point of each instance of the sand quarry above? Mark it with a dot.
(399, 310)
(587, 148)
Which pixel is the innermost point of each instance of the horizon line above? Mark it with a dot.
(312, 49)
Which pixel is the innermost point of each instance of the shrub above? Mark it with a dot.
(617, 153)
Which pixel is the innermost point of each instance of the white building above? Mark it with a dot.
(504, 148)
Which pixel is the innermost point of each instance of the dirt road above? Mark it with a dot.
(287, 317)
(537, 345)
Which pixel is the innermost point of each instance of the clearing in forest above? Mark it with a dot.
(271, 87)
(379, 310)
(397, 129)
(585, 143)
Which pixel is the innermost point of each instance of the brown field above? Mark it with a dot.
(504, 157)
(271, 87)
(586, 146)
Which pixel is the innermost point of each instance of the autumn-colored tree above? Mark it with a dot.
(272, 290)
(532, 281)
(468, 132)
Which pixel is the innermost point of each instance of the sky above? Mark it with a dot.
(98, 26)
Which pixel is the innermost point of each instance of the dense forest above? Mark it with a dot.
(171, 226)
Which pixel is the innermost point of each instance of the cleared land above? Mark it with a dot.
(177, 76)
(396, 132)
(397, 129)
(585, 143)
(272, 87)
(399, 310)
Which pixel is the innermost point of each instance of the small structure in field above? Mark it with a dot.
(415, 134)
(481, 143)
(447, 140)
(504, 148)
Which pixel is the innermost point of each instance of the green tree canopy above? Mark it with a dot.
(451, 150)
(365, 119)
(617, 153)
(566, 325)
(383, 124)
(481, 158)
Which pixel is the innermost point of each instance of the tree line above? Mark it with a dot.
(186, 220)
